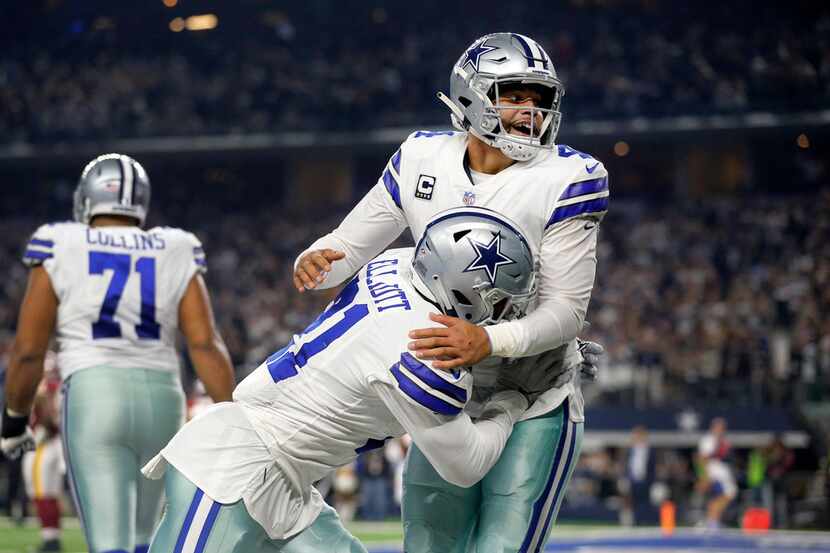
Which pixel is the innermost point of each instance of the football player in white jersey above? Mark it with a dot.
(504, 100)
(240, 476)
(116, 294)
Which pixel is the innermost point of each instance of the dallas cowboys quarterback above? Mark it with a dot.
(118, 294)
(239, 477)
(504, 100)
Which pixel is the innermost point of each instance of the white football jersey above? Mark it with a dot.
(343, 386)
(118, 289)
(557, 199)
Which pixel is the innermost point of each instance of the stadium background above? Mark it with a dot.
(261, 123)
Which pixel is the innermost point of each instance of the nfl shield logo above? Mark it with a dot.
(469, 198)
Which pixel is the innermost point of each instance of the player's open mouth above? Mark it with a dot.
(521, 128)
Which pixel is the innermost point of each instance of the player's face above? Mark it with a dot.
(517, 118)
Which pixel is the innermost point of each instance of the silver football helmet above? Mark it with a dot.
(490, 63)
(477, 265)
(112, 184)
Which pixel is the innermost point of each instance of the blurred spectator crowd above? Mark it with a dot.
(119, 72)
(723, 301)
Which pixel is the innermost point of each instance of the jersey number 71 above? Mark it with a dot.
(119, 263)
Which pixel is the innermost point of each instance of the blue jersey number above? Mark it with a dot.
(284, 363)
(119, 263)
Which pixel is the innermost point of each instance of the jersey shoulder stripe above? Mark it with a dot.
(422, 385)
(595, 206)
(581, 188)
(41, 246)
(581, 198)
(391, 176)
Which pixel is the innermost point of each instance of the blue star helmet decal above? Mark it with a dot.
(489, 257)
(473, 55)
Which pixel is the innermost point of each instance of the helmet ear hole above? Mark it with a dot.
(460, 234)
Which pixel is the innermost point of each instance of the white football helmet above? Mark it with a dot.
(494, 61)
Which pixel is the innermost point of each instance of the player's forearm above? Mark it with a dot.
(22, 378)
(214, 368)
(549, 326)
(464, 456)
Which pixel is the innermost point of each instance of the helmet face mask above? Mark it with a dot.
(503, 306)
(112, 184)
(477, 265)
(490, 64)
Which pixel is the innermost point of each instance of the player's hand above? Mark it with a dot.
(17, 438)
(591, 352)
(313, 268)
(456, 344)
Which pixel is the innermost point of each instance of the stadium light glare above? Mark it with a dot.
(621, 148)
(803, 141)
(177, 25)
(202, 22)
(170, 3)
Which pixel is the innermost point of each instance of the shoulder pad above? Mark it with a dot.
(186, 241)
(588, 192)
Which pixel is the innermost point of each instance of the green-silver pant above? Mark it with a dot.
(114, 421)
(194, 523)
(511, 510)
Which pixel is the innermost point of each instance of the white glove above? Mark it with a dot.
(591, 352)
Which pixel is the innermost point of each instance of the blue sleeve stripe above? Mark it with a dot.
(396, 161)
(592, 206)
(39, 242)
(281, 365)
(392, 187)
(200, 262)
(198, 249)
(35, 254)
(420, 396)
(585, 187)
(428, 377)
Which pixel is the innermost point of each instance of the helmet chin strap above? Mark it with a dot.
(457, 115)
(87, 209)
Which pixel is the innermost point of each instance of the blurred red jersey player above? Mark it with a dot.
(43, 468)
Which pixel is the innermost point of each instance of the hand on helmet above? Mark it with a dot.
(456, 344)
(591, 352)
(17, 438)
(314, 267)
